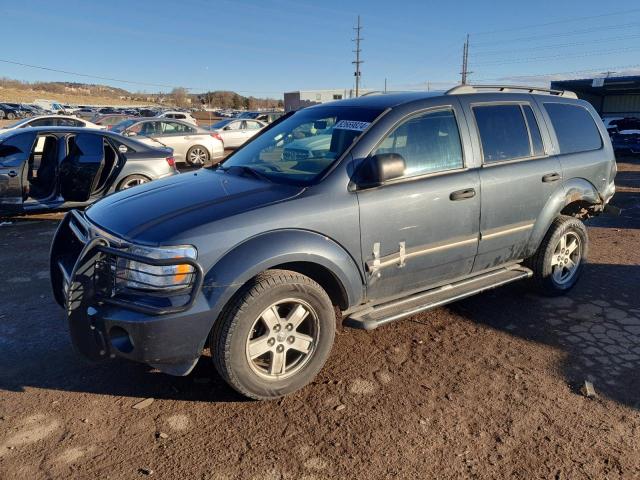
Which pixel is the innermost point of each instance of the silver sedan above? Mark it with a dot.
(190, 144)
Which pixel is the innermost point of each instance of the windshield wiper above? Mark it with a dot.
(251, 171)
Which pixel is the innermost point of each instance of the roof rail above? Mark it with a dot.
(461, 89)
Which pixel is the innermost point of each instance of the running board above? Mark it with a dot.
(420, 302)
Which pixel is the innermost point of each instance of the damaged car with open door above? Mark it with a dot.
(48, 168)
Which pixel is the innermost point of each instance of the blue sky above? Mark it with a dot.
(264, 48)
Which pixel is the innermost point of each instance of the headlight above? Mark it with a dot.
(151, 277)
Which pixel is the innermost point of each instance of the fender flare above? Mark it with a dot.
(278, 247)
(573, 190)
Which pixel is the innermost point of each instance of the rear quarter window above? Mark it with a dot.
(575, 128)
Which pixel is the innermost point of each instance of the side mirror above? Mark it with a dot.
(320, 124)
(227, 128)
(381, 168)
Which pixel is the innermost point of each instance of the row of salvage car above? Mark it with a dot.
(53, 162)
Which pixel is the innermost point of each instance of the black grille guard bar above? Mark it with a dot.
(102, 245)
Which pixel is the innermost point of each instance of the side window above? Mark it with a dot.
(43, 122)
(85, 147)
(503, 132)
(253, 125)
(534, 131)
(15, 149)
(174, 128)
(234, 126)
(429, 142)
(574, 126)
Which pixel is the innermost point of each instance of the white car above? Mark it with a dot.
(234, 132)
(185, 117)
(190, 144)
(52, 121)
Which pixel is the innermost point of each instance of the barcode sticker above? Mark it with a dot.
(351, 125)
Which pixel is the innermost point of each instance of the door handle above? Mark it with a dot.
(12, 173)
(462, 194)
(551, 177)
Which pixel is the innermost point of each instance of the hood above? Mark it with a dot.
(316, 142)
(158, 212)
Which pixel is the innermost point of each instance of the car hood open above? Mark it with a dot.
(159, 212)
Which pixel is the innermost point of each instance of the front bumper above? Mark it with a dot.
(166, 331)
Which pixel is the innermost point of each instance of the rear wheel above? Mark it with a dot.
(11, 116)
(559, 261)
(132, 181)
(197, 156)
(275, 336)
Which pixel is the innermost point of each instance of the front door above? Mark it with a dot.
(421, 229)
(517, 177)
(14, 157)
(233, 134)
(81, 166)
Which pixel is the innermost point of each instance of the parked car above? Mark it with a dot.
(50, 168)
(235, 133)
(10, 112)
(86, 113)
(266, 117)
(108, 121)
(191, 144)
(52, 121)
(420, 199)
(625, 136)
(184, 116)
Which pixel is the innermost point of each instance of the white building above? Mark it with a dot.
(306, 98)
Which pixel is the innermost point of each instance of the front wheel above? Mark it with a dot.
(197, 156)
(559, 261)
(274, 336)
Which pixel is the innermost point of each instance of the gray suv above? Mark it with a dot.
(408, 201)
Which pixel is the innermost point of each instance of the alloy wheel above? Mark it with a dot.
(566, 258)
(282, 339)
(197, 156)
(132, 182)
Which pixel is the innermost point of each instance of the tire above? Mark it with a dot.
(11, 116)
(556, 266)
(197, 156)
(132, 181)
(249, 322)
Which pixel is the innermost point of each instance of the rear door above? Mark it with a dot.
(14, 156)
(178, 136)
(518, 176)
(232, 134)
(81, 166)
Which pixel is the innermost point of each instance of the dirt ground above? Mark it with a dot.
(485, 388)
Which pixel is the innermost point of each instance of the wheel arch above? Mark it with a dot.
(578, 198)
(306, 252)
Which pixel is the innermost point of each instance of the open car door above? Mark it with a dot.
(82, 166)
(14, 156)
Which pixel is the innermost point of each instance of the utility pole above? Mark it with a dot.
(385, 85)
(465, 61)
(357, 51)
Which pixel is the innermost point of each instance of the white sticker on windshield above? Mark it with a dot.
(351, 125)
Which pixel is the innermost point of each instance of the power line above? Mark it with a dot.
(551, 74)
(357, 51)
(557, 45)
(131, 82)
(563, 21)
(559, 34)
(561, 56)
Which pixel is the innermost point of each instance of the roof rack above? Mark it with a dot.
(462, 89)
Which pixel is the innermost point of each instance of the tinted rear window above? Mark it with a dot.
(574, 126)
(503, 132)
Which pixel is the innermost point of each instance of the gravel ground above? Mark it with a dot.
(485, 388)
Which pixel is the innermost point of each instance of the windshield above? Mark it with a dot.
(302, 147)
(120, 127)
